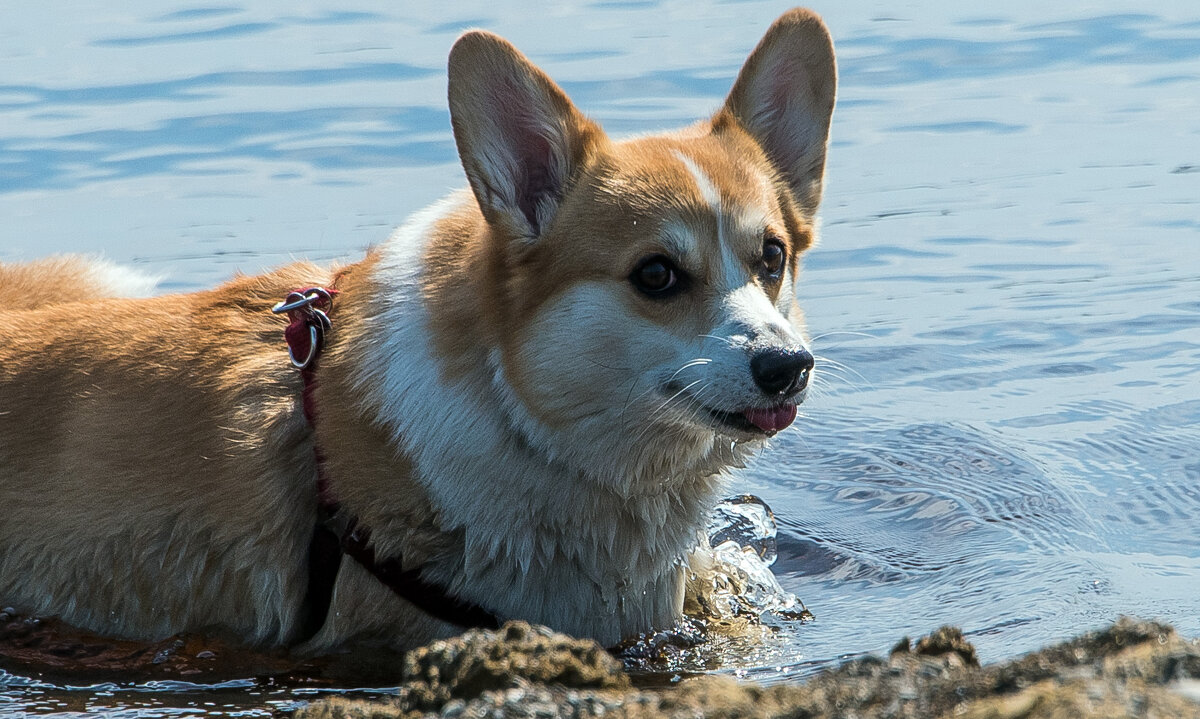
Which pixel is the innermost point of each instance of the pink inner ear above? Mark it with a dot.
(784, 116)
(525, 136)
(787, 133)
(536, 180)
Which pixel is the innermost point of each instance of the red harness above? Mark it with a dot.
(337, 532)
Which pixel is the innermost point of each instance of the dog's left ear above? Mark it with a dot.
(784, 98)
(519, 137)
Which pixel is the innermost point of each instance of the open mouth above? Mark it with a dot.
(766, 420)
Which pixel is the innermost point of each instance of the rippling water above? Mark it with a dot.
(1006, 297)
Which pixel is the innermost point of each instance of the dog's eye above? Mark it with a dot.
(655, 275)
(773, 256)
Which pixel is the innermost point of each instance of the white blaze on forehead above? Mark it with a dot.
(731, 272)
(746, 306)
(707, 190)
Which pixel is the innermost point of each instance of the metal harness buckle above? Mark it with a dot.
(305, 307)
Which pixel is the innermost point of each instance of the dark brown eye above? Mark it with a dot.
(773, 257)
(655, 275)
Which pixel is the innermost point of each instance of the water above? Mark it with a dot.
(1006, 297)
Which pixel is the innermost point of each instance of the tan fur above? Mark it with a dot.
(157, 473)
(57, 280)
(144, 443)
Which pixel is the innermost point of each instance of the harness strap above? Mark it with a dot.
(337, 533)
(408, 584)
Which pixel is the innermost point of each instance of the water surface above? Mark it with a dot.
(1006, 296)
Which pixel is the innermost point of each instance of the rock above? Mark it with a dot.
(1130, 669)
(944, 641)
(514, 656)
(47, 647)
(1074, 698)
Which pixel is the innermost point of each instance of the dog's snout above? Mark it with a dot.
(780, 372)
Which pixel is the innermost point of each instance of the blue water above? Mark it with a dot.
(1006, 296)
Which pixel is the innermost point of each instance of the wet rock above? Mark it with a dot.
(34, 646)
(944, 641)
(515, 656)
(1130, 669)
(1083, 698)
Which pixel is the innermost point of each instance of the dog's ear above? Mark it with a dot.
(784, 97)
(520, 139)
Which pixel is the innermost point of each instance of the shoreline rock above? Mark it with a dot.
(1129, 669)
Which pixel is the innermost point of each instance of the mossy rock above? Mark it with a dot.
(516, 655)
(1130, 669)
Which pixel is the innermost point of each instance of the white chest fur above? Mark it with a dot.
(542, 541)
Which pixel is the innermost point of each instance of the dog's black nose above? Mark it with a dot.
(781, 372)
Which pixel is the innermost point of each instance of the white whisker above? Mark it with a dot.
(823, 335)
(844, 367)
(718, 338)
(668, 400)
(699, 361)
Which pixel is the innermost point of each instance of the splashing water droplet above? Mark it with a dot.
(733, 602)
(747, 521)
(742, 535)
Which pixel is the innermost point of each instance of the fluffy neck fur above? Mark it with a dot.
(544, 537)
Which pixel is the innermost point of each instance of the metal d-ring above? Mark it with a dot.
(314, 337)
(304, 303)
(321, 319)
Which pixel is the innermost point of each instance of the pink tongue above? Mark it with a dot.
(773, 419)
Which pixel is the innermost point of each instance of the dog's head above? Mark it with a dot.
(644, 289)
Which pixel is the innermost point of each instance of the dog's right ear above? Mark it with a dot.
(519, 137)
(784, 98)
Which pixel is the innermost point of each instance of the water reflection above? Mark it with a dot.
(866, 59)
(232, 29)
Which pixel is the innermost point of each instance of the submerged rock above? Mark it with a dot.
(48, 648)
(1130, 669)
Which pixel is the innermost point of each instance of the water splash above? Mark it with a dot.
(734, 607)
(735, 580)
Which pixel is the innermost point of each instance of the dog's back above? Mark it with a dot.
(112, 490)
(68, 278)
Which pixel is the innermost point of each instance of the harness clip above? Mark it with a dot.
(309, 309)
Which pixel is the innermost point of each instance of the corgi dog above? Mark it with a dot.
(520, 406)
